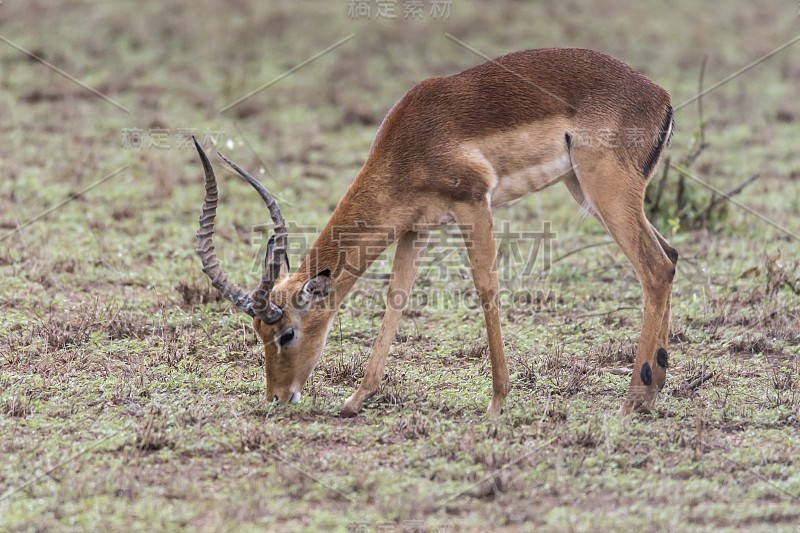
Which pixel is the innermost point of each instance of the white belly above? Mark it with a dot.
(531, 179)
(523, 160)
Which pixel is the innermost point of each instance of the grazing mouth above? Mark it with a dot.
(294, 397)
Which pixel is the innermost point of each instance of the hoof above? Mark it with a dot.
(347, 412)
(635, 406)
(495, 407)
(350, 408)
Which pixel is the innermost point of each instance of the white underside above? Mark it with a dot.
(522, 160)
(531, 179)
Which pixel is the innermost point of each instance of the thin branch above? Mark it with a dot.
(580, 249)
(692, 383)
(736, 190)
(662, 183)
(700, 144)
(606, 313)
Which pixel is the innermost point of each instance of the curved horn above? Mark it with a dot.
(276, 252)
(205, 243)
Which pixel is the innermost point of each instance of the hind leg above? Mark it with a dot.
(662, 354)
(616, 195)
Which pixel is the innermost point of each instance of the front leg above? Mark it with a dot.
(477, 229)
(404, 268)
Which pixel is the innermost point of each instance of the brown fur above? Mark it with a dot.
(441, 152)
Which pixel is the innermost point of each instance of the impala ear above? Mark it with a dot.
(317, 287)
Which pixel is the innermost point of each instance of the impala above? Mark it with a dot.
(449, 151)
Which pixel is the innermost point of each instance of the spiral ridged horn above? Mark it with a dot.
(257, 304)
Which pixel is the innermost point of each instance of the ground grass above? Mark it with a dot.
(131, 396)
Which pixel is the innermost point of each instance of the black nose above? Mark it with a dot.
(275, 398)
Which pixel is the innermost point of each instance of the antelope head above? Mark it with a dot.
(289, 312)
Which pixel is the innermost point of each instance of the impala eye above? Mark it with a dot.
(286, 336)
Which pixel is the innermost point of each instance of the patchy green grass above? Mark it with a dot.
(131, 397)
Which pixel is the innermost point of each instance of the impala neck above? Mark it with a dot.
(356, 234)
